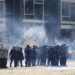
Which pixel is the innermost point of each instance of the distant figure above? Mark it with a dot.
(3, 57)
(12, 55)
(28, 56)
(20, 56)
(33, 56)
(43, 55)
(16, 56)
(63, 55)
(55, 56)
(38, 56)
(52, 56)
(49, 56)
(57, 48)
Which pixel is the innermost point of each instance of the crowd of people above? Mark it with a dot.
(16, 55)
(39, 56)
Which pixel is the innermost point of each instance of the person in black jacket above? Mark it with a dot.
(49, 56)
(63, 55)
(12, 56)
(57, 48)
(43, 55)
(28, 56)
(33, 56)
(20, 56)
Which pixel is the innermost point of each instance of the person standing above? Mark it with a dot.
(63, 55)
(28, 56)
(20, 56)
(12, 56)
(33, 56)
(43, 55)
(49, 56)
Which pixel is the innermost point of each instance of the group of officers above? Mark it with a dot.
(39, 56)
(16, 55)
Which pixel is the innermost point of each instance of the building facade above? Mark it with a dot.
(2, 21)
(42, 20)
(68, 20)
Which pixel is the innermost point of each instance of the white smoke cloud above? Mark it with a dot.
(2, 27)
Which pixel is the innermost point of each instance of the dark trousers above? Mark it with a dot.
(63, 61)
(3, 62)
(20, 63)
(15, 62)
(43, 62)
(11, 60)
(49, 61)
(28, 62)
(33, 62)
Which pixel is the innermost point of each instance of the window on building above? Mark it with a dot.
(66, 18)
(28, 6)
(72, 12)
(39, 1)
(39, 24)
(65, 11)
(29, 16)
(38, 11)
(1, 9)
(66, 33)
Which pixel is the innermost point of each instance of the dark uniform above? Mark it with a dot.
(28, 56)
(16, 56)
(63, 55)
(38, 57)
(57, 55)
(43, 55)
(20, 56)
(53, 60)
(49, 56)
(33, 56)
(12, 55)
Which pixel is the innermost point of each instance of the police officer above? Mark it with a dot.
(57, 55)
(38, 57)
(33, 56)
(49, 56)
(28, 56)
(53, 56)
(43, 55)
(12, 56)
(20, 56)
(63, 55)
(16, 56)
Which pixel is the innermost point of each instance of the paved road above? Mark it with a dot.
(39, 71)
